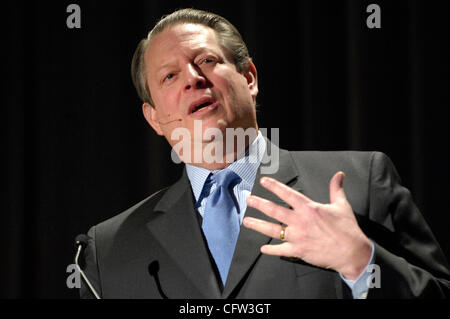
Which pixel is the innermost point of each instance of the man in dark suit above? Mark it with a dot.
(288, 232)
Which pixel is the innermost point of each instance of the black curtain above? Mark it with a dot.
(76, 149)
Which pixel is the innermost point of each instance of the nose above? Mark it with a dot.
(194, 78)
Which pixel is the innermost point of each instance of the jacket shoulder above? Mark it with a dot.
(327, 156)
(316, 168)
(332, 161)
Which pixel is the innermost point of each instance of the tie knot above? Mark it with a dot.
(225, 178)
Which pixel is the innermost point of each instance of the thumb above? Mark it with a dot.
(336, 187)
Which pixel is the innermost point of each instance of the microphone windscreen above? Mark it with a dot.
(82, 240)
(153, 268)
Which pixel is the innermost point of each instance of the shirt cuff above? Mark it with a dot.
(360, 286)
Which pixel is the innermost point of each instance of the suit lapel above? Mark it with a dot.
(249, 242)
(184, 243)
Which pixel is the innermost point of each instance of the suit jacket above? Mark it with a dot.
(156, 249)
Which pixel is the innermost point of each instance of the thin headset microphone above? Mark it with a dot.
(177, 120)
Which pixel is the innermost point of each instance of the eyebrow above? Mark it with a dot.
(164, 66)
(196, 52)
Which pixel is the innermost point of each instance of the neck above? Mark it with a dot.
(217, 155)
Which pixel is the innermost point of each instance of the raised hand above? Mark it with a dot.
(324, 235)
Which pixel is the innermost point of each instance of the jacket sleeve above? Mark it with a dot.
(413, 265)
(90, 268)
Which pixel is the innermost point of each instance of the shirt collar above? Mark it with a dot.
(246, 167)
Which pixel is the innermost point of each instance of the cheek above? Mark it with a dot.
(167, 103)
(238, 92)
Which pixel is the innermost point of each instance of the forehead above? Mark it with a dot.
(182, 39)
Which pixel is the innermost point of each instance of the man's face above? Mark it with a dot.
(191, 77)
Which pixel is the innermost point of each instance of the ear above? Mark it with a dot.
(151, 117)
(252, 79)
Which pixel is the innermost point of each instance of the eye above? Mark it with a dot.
(207, 60)
(169, 76)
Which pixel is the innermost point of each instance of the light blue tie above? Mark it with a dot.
(221, 221)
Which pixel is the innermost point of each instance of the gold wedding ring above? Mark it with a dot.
(283, 233)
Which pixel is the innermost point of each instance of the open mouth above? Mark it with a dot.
(202, 105)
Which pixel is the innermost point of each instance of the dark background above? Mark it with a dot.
(76, 149)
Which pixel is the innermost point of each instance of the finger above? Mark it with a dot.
(283, 250)
(271, 209)
(263, 227)
(284, 192)
(336, 187)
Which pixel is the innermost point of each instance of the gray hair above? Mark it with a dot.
(229, 38)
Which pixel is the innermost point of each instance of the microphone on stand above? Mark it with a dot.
(81, 241)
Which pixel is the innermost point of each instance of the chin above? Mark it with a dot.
(214, 123)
